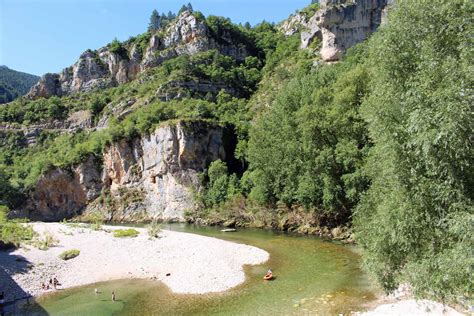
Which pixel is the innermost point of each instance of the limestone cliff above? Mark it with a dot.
(108, 67)
(63, 193)
(154, 176)
(339, 25)
(165, 166)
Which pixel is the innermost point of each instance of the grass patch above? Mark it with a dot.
(69, 254)
(126, 233)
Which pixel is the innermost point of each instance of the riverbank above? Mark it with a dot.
(186, 263)
(401, 302)
(412, 307)
(242, 213)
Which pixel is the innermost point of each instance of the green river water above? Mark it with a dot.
(313, 277)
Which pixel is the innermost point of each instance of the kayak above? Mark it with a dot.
(268, 276)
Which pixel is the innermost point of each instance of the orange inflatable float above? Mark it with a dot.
(268, 276)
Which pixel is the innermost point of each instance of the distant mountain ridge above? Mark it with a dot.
(14, 83)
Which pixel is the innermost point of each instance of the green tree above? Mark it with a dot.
(415, 222)
(218, 185)
(189, 7)
(183, 9)
(155, 21)
(309, 147)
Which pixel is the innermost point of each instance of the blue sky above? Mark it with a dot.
(39, 36)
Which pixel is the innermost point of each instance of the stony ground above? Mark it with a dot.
(401, 303)
(186, 263)
(413, 308)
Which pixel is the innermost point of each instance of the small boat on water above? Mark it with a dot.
(268, 276)
(229, 230)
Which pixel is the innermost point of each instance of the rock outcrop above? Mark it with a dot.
(151, 177)
(48, 85)
(108, 67)
(64, 193)
(165, 165)
(341, 24)
(294, 24)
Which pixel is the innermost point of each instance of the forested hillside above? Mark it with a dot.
(14, 84)
(377, 144)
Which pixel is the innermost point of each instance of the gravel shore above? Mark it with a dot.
(186, 263)
(413, 308)
(401, 303)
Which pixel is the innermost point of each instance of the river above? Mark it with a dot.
(312, 277)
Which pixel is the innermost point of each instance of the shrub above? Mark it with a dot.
(69, 254)
(126, 233)
(154, 228)
(45, 242)
(116, 47)
(96, 221)
(12, 233)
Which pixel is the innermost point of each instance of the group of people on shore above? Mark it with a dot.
(53, 283)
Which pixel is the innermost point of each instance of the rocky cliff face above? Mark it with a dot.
(150, 177)
(63, 193)
(340, 24)
(165, 166)
(105, 68)
(294, 24)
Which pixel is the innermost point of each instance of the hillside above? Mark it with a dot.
(351, 120)
(14, 84)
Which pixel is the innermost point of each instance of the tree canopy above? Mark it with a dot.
(415, 222)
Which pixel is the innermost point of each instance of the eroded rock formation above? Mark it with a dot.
(63, 193)
(165, 165)
(149, 177)
(106, 67)
(340, 24)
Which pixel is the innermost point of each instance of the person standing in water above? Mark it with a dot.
(113, 296)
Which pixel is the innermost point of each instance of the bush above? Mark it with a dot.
(116, 47)
(96, 221)
(126, 233)
(69, 254)
(13, 233)
(154, 228)
(45, 242)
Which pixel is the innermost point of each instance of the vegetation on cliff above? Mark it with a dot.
(382, 138)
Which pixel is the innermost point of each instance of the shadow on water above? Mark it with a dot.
(16, 299)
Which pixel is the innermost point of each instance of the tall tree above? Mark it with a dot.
(155, 21)
(415, 222)
(183, 8)
(190, 7)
